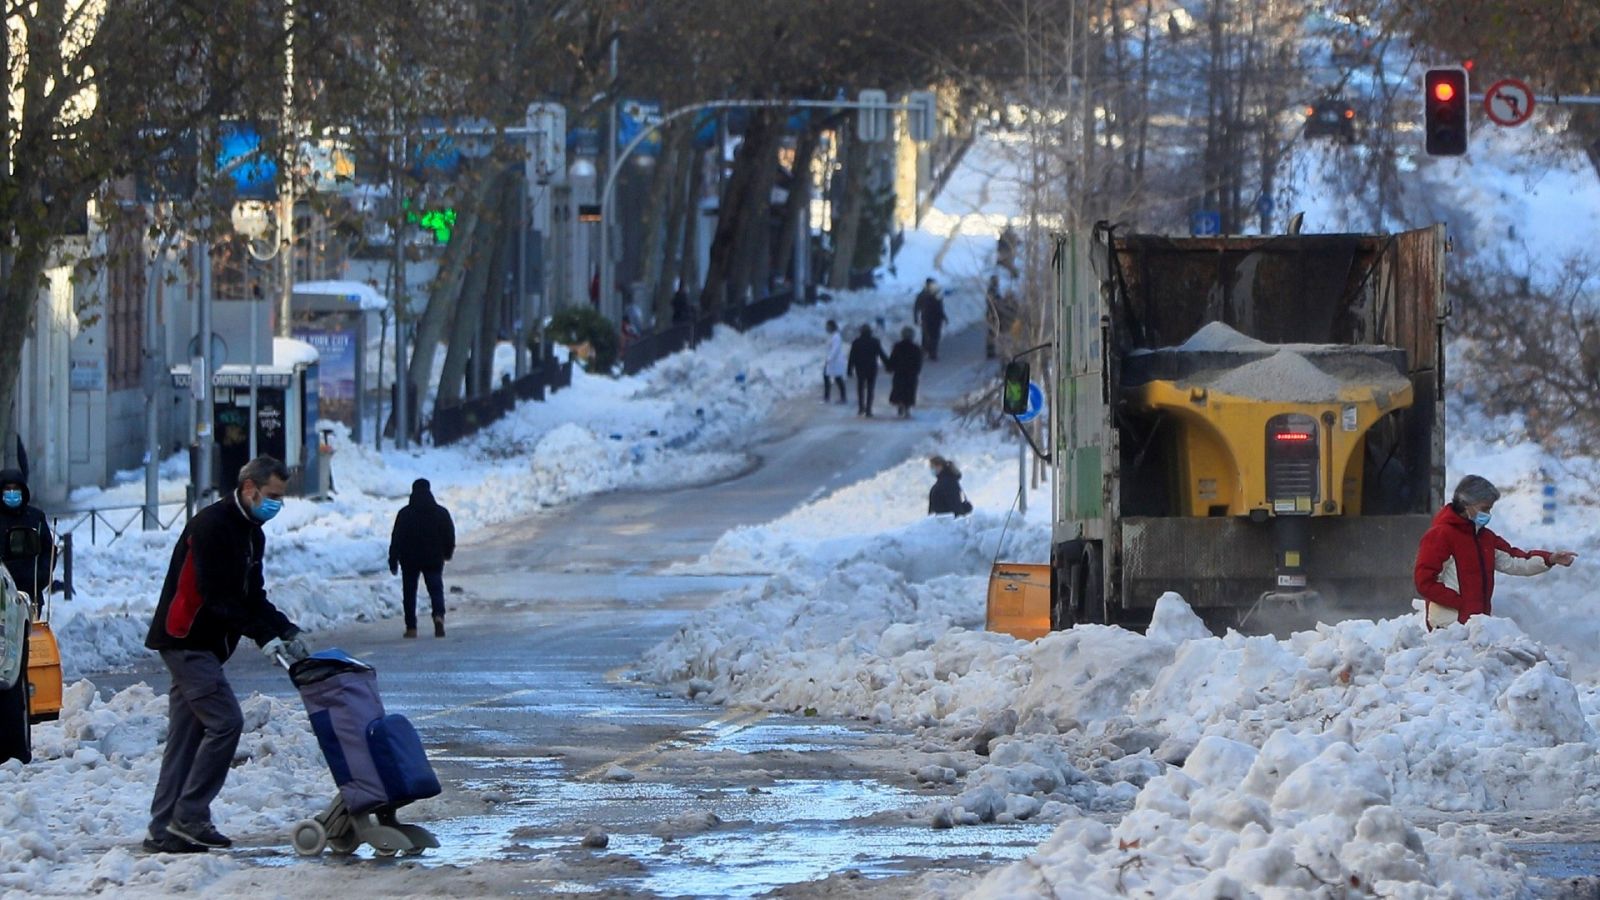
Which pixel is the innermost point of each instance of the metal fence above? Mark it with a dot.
(108, 523)
(645, 352)
(454, 423)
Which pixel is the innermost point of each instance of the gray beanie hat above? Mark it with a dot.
(1476, 489)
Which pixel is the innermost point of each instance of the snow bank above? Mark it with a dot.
(72, 821)
(1242, 763)
(889, 627)
(1297, 817)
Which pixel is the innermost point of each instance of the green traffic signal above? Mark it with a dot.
(439, 221)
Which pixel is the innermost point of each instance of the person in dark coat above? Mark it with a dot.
(214, 594)
(423, 540)
(929, 311)
(865, 353)
(32, 574)
(946, 495)
(905, 362)
(680, 306)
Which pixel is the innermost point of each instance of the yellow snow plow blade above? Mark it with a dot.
(1019, 600)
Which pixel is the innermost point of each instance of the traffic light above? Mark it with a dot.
(1444, 105)
(1014, 394)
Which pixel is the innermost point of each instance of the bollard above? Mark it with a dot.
(66, 566)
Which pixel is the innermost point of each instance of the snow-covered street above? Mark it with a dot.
(707, 615)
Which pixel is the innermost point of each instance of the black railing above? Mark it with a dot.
(453, 423)
(642, 353)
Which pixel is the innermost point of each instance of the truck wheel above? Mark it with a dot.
(16, 734)
(1092, 591)
(1065, 573)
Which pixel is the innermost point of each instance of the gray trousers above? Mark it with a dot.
(203, 727)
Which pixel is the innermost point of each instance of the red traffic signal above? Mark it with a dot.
(1444, 111)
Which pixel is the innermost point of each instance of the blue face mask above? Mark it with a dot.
(267, 508)
(1481, 519)
(12, 498)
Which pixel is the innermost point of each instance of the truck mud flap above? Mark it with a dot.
(1363, 563)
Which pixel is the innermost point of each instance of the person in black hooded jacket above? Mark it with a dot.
(424, 538)
(946, 495)
(32, 574)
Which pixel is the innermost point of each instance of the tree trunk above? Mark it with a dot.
(469, 308)
(442, 296)
(495, 294)
(730, 218)
(16, 322)
(689, 255)
(847, 215)
(672, 243)
(799, 197)
(657, 223)
(752, 257)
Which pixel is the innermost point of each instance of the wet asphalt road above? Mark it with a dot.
(528, 712)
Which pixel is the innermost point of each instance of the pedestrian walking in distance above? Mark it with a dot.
(905, 365)
(1459, 555)
(865, 354)
(833, 364)
(214, 595)
(929, 311)
(423, 540)
(946, 495)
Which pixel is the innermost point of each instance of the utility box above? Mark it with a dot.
(1019, 600)
(285, 416)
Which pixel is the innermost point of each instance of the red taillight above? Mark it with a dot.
(1349, 114)
(1310, 111)
(1293, 437)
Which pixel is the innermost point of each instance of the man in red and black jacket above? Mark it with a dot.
(1459, 555)
(214, 595)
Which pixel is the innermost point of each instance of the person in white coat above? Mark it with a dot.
(833, 365)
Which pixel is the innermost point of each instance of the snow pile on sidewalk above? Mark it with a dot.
(680, 422)
(72, 821)
(1303, 815)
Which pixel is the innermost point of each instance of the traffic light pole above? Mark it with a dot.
(607, 274)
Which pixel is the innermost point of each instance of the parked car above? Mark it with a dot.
(1331, 117)
(16, 733)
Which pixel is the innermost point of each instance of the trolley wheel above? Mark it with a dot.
(309, 837)
(344, 844)
(385, 853)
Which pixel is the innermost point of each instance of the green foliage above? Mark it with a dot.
(583, 324)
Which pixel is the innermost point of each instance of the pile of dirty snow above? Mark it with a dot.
(1303, 815)
(74, 818)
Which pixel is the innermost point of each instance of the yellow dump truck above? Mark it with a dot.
(1251, 422)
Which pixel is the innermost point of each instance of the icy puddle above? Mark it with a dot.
(793, 738)
(763, 838)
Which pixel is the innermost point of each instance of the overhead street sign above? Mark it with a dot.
(1508, 102)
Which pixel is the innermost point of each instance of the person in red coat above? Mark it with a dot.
(1459, 555)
